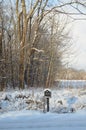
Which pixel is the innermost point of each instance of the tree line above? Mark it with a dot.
(33, 40)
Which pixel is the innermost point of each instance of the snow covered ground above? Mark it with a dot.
(31, 120)
(24, 110)
(71, 83)
(61, 101)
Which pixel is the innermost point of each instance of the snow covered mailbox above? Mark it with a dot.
(47, 95)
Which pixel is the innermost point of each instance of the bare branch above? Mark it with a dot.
(32, 10)
(37, 50)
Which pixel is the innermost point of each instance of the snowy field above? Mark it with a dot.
(71, 83)
(61, 101)
(31, 120)
(24, 110)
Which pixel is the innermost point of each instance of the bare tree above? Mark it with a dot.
(34, 39)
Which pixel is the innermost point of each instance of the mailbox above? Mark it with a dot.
(47, 93)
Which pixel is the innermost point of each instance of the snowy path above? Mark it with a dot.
(30, 120)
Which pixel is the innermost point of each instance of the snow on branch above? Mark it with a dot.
(37, 50)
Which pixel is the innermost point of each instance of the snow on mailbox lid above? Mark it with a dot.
(47, 93)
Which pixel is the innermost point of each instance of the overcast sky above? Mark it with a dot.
(79, 41)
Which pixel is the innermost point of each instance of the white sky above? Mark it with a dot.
(79, 41)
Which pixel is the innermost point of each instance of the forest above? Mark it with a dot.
(34, 40)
